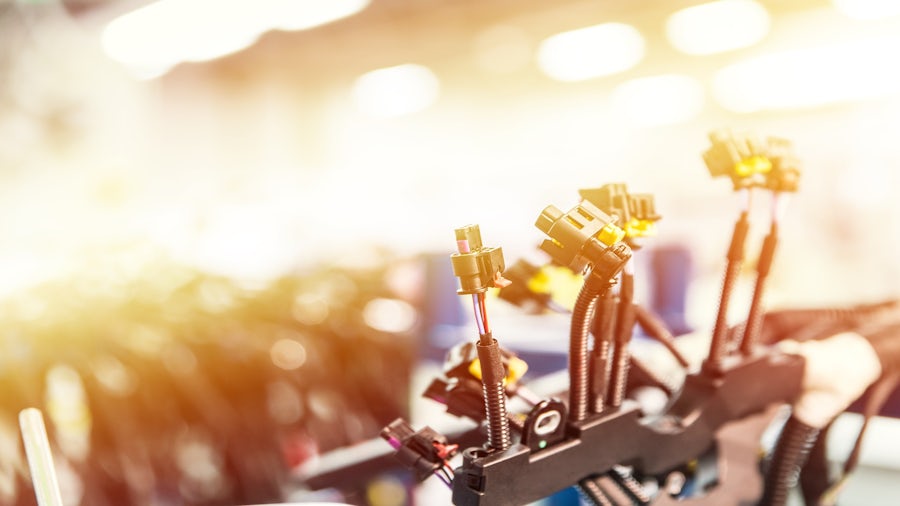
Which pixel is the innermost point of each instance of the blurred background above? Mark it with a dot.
(225, 223)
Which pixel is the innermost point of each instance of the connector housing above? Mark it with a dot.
(740, 157)
(522, 292)
(636, 212)
(478, 268)
(584, 237)
(785, 173)
(419, 450)
(750, 162)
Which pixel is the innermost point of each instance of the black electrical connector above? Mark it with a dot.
(558, 445)
(425, 451)
(586, 240)
(461, 388)
(742, 158)
(635, 213)
(519, 293)
(479, 268)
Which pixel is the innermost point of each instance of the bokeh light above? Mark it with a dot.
(389, 315)
(717, 27)
(659, 100)
(811, 77)
(288, 354)
(156, 37)
(867, 9)
(396, 91)
(591, 52)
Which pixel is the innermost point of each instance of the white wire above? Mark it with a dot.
(478, 319)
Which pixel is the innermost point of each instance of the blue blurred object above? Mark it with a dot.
(445, 321)
(567, 497)
(670, 273)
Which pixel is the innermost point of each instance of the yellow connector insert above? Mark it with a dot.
(635, 213)
(515, 369)
(756, 164)
(640, 228)
(752, 163)
(610, 234)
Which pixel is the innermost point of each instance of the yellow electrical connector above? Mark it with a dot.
(477, 267)
(560, 282)
(739, 157)
(750, 162)
(635, 213)
(584, 236)
(515, 369)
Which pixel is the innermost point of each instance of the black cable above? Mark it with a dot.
(603, 329)
(624, 327)
(787, 460)
(492, 377)
(444, 479)
(656, 329)
(718, 345)
(582, 315)
(809, 324)
(815, 476)
(763, 266)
